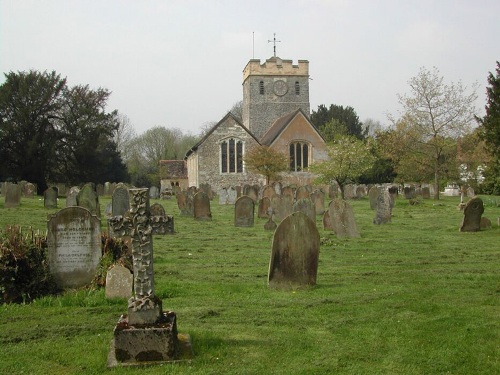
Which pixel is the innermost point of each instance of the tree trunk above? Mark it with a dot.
(436, 179)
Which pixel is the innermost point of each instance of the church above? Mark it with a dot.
(275, 113)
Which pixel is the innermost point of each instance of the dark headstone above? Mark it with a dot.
(50, 198)
(372, 196)
(301, 193)
(12, 195)
(201, 205)
(295, 253)
(472, 215)
(306, 206)
(244, 209)
(268, 191)
(87, 198)
(120, 200)
(264, 205)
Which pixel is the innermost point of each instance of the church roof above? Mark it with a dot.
(280, 125)
(173, 169)
(229, 115)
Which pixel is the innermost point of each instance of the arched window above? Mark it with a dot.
(297, 88)
(261, 87)
(299, 156)
(231, 156)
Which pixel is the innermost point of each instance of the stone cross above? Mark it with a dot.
(144, 307)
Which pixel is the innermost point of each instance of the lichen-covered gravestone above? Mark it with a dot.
(264, 205)
(71, 196)
(74, 246)
(244, 211)
(383, 210)
(87, 198)
(147, 334)
(120, 200)
(295, 253)
(342, 219)
(119, 282)
(306, 206)
(472, 215)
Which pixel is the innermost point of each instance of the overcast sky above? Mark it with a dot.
(179, 63)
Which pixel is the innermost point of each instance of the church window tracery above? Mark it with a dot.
(231, 156)
(299, 156)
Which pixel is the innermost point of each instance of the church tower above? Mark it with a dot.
(271, 90)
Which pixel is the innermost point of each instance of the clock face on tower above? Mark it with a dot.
(280, 87)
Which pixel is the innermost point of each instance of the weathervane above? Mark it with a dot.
(274, 41)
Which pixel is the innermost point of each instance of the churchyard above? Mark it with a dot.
(411, 296)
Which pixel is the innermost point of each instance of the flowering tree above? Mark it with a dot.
(266, 161)
(349, 158)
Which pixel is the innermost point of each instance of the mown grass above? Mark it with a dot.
(415, 296)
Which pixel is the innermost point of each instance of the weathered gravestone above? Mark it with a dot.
(252, 191)
(327, 223)
(223, 196)
(318, 198)
(301, 193)
(264, 205)
(287, 191)
(268, 191)
(71, 196)
(295, 253)
(244, 211)
(29, 190)
(74, 246)
(161, 223)
(270, 224)
(120, 201)
(50, 198)
(201, 205)
(12, 195)
(472, 215)
(426, 192)
(342, 219)
(147, 334)
(282, 206)
(232, 195)
(306, 206)
(87, 198)
(383, 211)
(185, 203)
(372, 196)
(277, 188)
(154, 192)
(119, 282)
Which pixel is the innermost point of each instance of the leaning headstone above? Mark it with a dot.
(472, 215)
(119, 282)
(383, 211)
(306, 206)
(147, 334)
(342, 219)
(295, 253)
(71, 196)
(74, 246)
(12, 195)
(87, 198)
(50, 198)
(264, 205)
(201, 205)
(120, 200)
(244, 209)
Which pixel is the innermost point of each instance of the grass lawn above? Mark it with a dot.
(414, 296)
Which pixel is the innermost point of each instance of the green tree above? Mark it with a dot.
(349, 158)
(333, 129)
(490, 132)
(267, 162)
(345, 115)
(30, 107)
(435, 115)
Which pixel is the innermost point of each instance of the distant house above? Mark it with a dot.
(173, 173)
(275, 113)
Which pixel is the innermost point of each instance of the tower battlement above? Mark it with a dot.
(276, 67)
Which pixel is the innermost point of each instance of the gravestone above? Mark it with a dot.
(270, 224)
(409, 192)
(472, 215)
(147, 334)
(318, 198)
(71, 196)
(264, 205)
(232, 195)
(342, 219)
(223, 196)
(333, 190)
(268, 191)
(277, 188)
(201, 205)
(244, 209)
(161, 223)
(372, 196)
(119, 282)
(282, 206)
(383, 211)
(74, 246)
(426, 192)
(301, 193)
(287, 191)
(154, 192)
(485, 223)
(29, 190)
(120, 200)
(470, 192)
(306, 206)
(87, 198)
(360, 191)
(207, 189)
(349, 191)
(295, 253)
(327, 223)
(12, 195)
(50, 198)
(252, 192)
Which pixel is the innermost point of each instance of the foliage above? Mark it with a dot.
(435, 114)
(24, 270)
(382, 170)
(333, 129)
(490, 130)
(114, 251)
(349, 158)
(50, 131)
(267, 162)
(346, 116)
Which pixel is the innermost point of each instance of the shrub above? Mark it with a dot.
(24, 269)
(114, 251)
